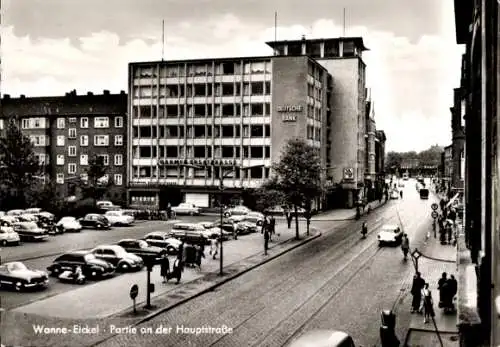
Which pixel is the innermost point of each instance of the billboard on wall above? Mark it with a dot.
(200, 162)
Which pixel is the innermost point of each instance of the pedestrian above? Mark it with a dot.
(169, 211)
(266, 240)
(289, 218)
(165, 268)
(416, 292)
(272, 226)
(428, 305)
(200, 253)
(177, 270)
(442, 286)
(180, 251)
(405, 245)
(401, 193)
(214, 248)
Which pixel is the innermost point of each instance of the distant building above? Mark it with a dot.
(448, 168)
(458, 140)
(67, 131)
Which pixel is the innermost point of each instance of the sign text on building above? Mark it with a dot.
(290, 108)
(200, 162)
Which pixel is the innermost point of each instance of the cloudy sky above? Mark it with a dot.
(49, 47)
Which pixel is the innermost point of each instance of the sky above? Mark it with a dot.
(50, 47)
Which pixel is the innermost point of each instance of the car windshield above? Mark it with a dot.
(119, 251)
(29, 226)
(142, 244)
(17, 266)
(112, 214)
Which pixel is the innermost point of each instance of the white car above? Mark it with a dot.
(119, 218)
(15, 212)
(34, 210)
(212, 231)
(8, 236)
(69, 224)
(186, 208)
(237, 211)
(118, 257)
(256, 217)
(390, 234)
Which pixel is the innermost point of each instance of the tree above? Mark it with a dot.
(268, 196)
(19, 167)
(97, 181)
(298, 175)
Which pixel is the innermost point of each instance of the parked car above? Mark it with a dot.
(186, 209)
(8, 236)
(2, 213)
(27, 218)
(163, 240)
(69, 224)
(255, 217)
(90, 265)
(106, 205)
(246, 227)
(142, 249)
(10, 220)
(390, 234)
(47, 224)
(119, 218)
(34, 210)
(19, 277)
(119, 257)
(190, 233)
(237, 211)
(323, 338)
(96, 221)
(30, 231)
(15, 212)
(212, 231)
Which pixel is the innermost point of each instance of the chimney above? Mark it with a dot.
(6, 96)
(23, 96)
(90, 93)
(105, 92)
(122, 92)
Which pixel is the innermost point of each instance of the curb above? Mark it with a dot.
(221, 282)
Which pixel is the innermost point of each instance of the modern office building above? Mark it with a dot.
(68, 131)
(194, 121)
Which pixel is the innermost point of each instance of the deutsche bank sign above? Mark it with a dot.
(289, 112)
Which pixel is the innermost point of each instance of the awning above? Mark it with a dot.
(452, 200)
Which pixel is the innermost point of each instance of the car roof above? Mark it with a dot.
(161, 233)
(110, 247)
(390, 226)
(320, 338)
(77, 252)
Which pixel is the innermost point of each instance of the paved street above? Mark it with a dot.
(41, 254)
(337, 281)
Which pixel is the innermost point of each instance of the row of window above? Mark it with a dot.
(204, 90)
(197, 131)
(84, 158)
(99, 122)
(117, 178)
(202, 110)
(205, 69)
(34, 123)
(99, 140)
(254, 152)
(176, 172)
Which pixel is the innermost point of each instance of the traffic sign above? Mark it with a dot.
(434, 214)
(434, 206)
(134, 291)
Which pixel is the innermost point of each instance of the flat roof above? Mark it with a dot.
(358, 40)
(223, 59)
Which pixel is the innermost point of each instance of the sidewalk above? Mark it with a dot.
(345, 214)
(435, 260)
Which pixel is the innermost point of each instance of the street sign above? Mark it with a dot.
(134, 291)
(434, 214)
(434, 206)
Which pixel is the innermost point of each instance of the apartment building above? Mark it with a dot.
(192, 122)
(68, 131)
(349, 161)
(458, 140)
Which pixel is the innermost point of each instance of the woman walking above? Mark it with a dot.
(427, 303)
(165, 268)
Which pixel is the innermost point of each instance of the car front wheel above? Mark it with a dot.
(3, 243)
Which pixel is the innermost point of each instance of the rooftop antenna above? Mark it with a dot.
(275, 29)
(162, 39)
(343, 25)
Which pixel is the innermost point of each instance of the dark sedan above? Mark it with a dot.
(95, 221)
(142, 249)
(90, 265)
(17, 276)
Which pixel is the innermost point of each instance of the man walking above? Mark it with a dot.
(416, 292)
(442, 286)
(266, 239)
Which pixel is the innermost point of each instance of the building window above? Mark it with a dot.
(118, 180)
(72, 120)
(36, 123)
(61, 123)
(118, 140)
(84, 122)
(72, 168)
(25, 123)
(72, 151)
(118, 122)
(101, 122)
(84, 159)
(60, 159)
(60, 140)
(84, 140)
(118, 160)
(38, 141)
(72, 133)
(105, 159)
(101, 140)
(60, 178)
